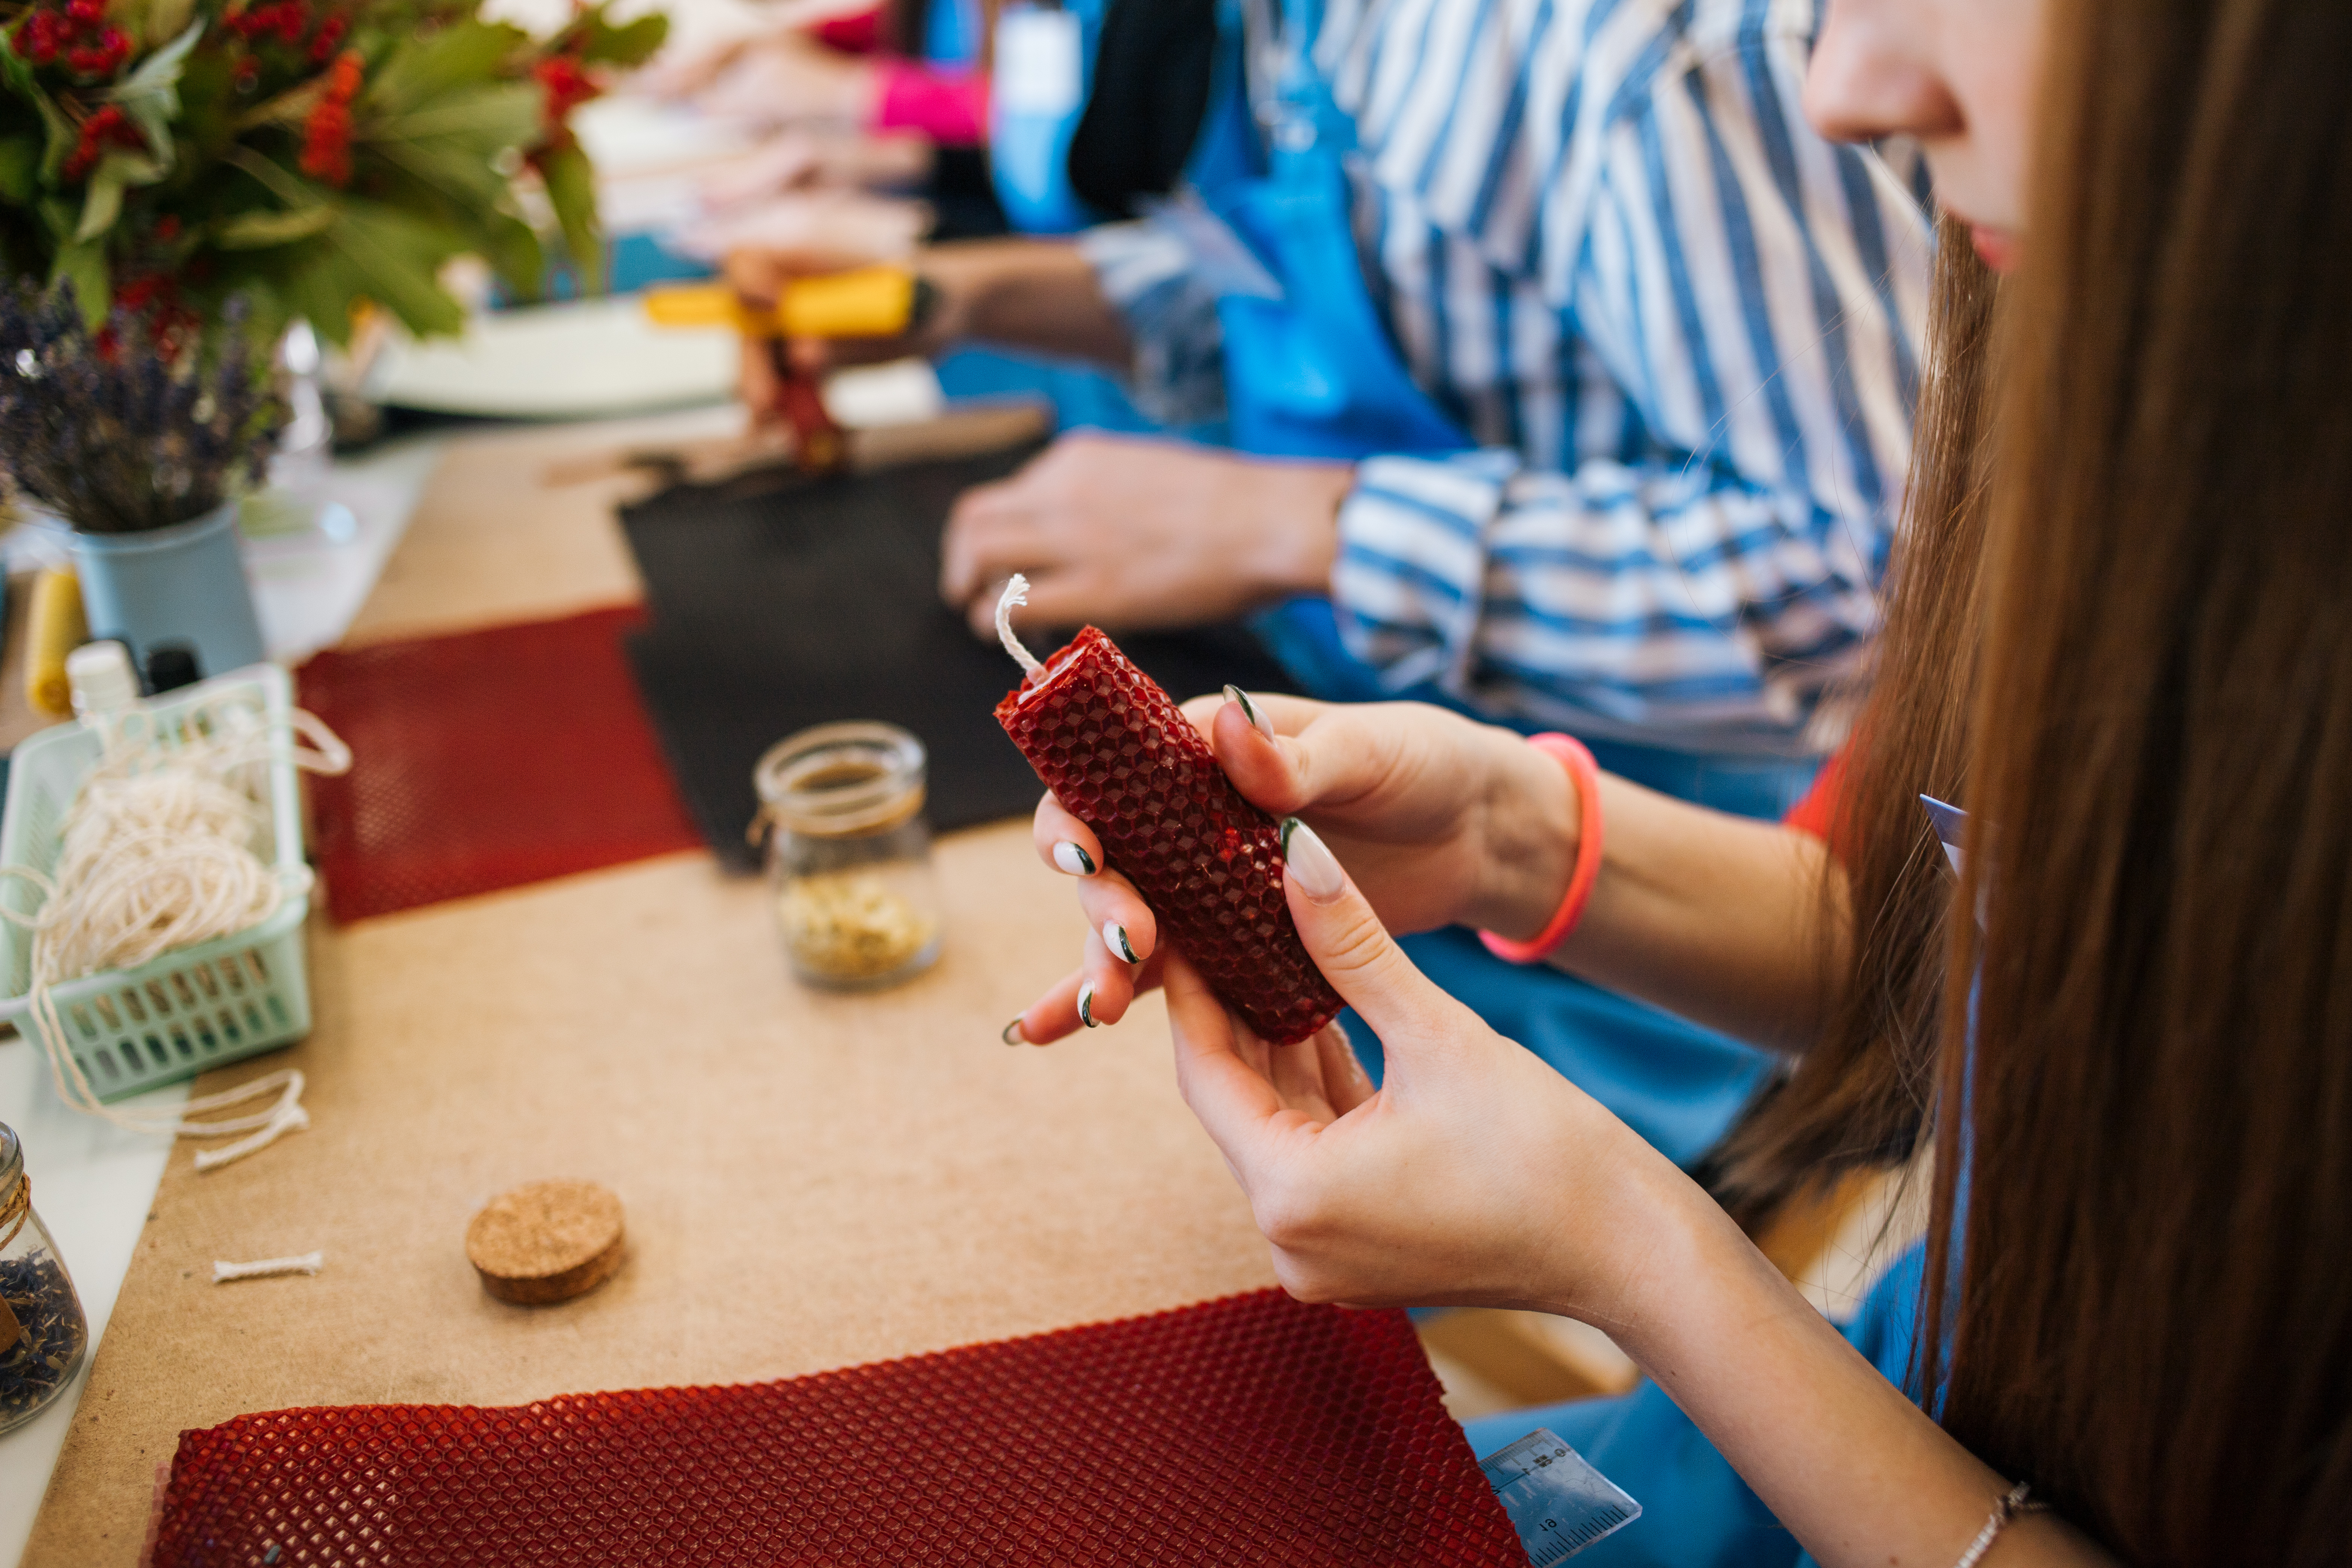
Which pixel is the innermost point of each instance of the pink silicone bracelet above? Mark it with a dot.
(1586, 774)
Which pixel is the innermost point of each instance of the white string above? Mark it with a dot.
(307, 1263)
(1017, 591)
(158, 854)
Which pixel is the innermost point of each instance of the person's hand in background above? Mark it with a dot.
(1138, 534)
(784, 77)
(808, 159)
(1027, 293)
(1443, 820)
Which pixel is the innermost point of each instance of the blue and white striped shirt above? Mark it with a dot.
(1681, 327)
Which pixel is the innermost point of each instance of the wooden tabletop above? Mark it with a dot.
(810, 1180)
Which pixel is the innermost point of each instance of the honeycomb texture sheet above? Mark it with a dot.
(1109, 742)
(1251, 1430)
(487, 759)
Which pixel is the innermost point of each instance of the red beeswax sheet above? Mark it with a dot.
(1251, 1430)
(487, 759)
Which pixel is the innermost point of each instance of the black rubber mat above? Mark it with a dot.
(779, 602)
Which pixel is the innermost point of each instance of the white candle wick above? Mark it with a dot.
(1017, 591)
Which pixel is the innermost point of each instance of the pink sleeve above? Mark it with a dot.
(951, 108)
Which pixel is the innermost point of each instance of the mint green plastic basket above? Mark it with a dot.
(192, 1009)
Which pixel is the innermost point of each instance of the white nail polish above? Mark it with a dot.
(1312, 864)
(1259, 720)
(1072, 859)
(1114, 937)
(1014, 1034)
(1086, 1005)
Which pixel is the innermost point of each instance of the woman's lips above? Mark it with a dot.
(1996, 247)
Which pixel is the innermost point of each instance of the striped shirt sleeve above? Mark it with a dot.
(1699, 573)
(1177, 371)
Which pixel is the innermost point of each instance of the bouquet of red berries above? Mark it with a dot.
(305, 156)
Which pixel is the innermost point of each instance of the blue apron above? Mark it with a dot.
(1313, 374)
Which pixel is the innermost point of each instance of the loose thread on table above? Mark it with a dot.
(306, 1263)
(157, 855)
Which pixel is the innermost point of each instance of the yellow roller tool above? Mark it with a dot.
(54, 628)
(868, 302)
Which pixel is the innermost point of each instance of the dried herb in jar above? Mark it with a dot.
(50, 1333)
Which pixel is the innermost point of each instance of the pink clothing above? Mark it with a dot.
(948, 106)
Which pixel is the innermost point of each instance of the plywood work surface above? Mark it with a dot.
(810, 1180)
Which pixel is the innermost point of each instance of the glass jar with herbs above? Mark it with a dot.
(43, 1332)
(849, 856)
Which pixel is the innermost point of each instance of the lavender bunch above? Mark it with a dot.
(116, 431)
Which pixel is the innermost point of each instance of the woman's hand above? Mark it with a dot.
(1475, 1176)
(1442, 820)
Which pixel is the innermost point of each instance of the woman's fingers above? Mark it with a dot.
(1232, 1098)
(1345, 1082)
(1114, 909)
(1298, 1079)
(1063, 842)
(1357, 955)
(1052, 1016)
(1055, 1015)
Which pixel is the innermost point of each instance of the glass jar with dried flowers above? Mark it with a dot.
(140, 442)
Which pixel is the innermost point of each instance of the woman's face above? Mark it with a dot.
(1960, 78)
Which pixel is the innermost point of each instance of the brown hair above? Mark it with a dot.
(1858, 1096)
(2149, 1316)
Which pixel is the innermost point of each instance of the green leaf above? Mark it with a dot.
(515, 251)
(118, 170)
(460, 55)
(150, 94)
(321, 291)
(572, 192)
(398, 257)
(83, 264)
(459, 173)
(489, 118)
(63, 137)
(20, 161)
(257, 230)
(631, 44)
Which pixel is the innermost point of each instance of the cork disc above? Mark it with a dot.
(549, 1241)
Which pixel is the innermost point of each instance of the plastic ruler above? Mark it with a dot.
(1559, 1504)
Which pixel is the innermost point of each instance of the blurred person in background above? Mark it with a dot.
(1565, 375)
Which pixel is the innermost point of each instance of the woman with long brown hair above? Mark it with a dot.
(2121, 1015)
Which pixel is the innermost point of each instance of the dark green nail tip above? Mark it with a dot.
(1249, 709)
(1087, 1006)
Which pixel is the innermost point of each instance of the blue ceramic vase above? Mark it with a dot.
(179, 587)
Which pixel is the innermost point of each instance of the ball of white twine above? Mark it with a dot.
(160, 852)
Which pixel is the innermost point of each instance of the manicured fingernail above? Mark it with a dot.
(1115, 939)
(1014, 1034)
(1312, 864)
(1259, 720)
(1072, 859)
(1086, 1005)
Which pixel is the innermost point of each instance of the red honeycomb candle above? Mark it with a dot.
(1112, 746)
